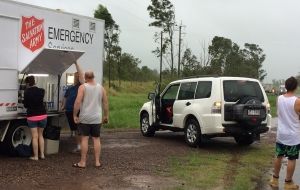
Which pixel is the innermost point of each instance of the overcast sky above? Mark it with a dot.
(272, 24)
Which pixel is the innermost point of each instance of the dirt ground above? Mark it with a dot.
(130, 161)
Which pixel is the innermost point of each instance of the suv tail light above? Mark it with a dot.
(217, 107)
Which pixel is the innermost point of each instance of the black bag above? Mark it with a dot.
(23, 150)
(52, 132)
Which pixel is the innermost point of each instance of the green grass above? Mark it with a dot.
(225, 169)
(272, 100)
(124, 110)
(252, 167)
(200, 171)
(125, 102)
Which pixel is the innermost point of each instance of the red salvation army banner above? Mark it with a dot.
(32, 33)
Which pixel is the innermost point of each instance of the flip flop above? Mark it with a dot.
(98, 166)
(76, 165)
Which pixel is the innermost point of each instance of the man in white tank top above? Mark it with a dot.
(92, 102)
(288, 134)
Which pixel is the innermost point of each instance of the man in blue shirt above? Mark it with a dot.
(68, 103)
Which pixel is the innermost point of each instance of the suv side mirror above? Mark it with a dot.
(151, 95)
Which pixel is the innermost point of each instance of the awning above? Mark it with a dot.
(52, 61)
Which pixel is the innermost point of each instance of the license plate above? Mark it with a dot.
(253, 112)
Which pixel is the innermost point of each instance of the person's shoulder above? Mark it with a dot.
(82, 86)
(77, 85)
(100, 86)
(41, 91)
(30, 90)
(73, 87)
(26, 91)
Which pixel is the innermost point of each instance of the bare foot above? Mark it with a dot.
(34, 158)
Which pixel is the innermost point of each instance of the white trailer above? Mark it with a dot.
(42, 42)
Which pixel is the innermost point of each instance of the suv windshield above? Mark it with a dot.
(236, 89)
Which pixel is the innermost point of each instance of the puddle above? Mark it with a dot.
(152, 182)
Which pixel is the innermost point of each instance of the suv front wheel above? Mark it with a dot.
(146, 129)
(192, 132)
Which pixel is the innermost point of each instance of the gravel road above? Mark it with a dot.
(130, 161)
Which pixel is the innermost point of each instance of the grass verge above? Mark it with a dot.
(252, 167)
(272, 101)
(200, 171)
(124, 110)
(236, 168)
(125, 102)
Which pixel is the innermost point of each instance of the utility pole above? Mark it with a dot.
(119, 67)
(179, 51)
(109, 71)
(161, 54)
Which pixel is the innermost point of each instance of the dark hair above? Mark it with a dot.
(291, 84)
(30, 80)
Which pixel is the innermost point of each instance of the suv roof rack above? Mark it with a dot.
(200, 76)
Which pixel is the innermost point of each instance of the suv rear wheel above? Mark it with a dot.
(146, 129)
(192, 132)
(244, 140)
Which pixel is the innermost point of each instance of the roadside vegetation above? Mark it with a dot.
(272, 101)
(224, 167)
(125, 102)
(200, 169)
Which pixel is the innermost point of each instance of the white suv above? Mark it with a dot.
(209, 106)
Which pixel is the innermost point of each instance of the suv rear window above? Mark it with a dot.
(203, 89)
(236, 89)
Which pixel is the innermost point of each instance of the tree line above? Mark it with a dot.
(222, 57)
(119, 65)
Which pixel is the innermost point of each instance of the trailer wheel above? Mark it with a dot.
(17, 133)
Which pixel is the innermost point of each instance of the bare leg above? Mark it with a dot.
(97, 150)
(290, 170)
(35, 147)
(277, 165)
(84, 150)
(78, 139)
(41, 142)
